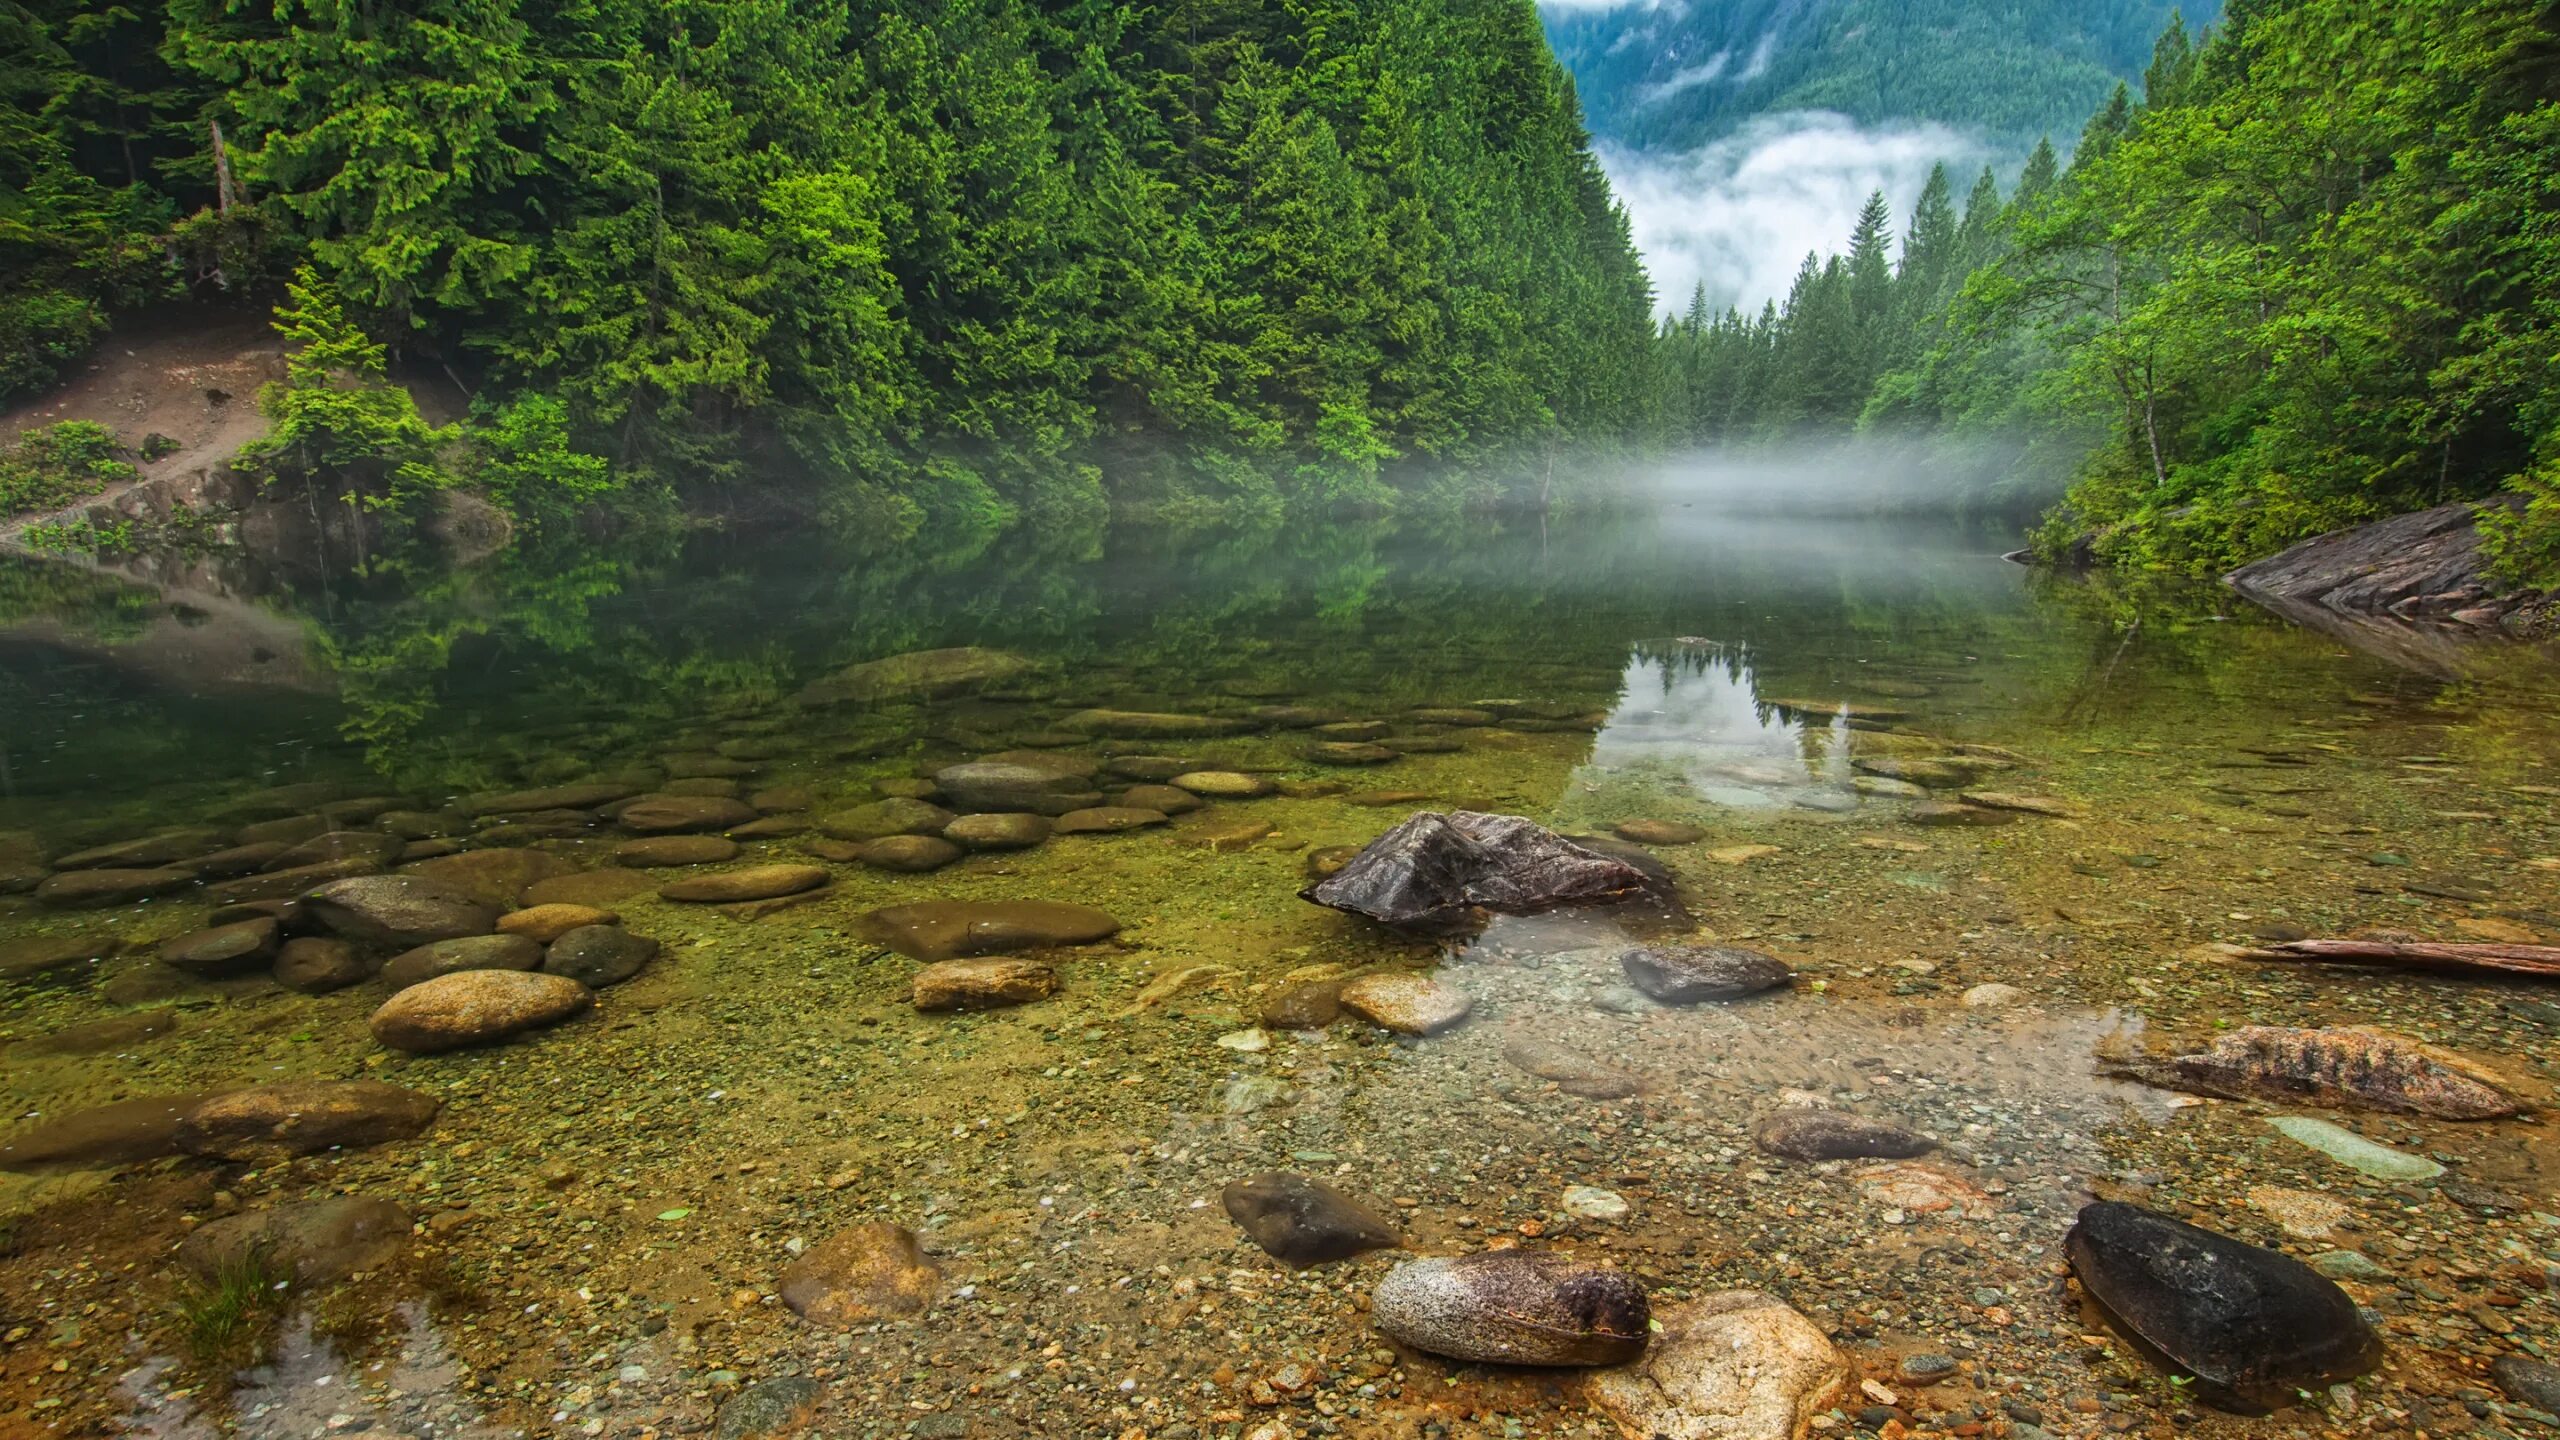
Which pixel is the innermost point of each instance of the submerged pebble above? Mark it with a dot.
(1514, 1307)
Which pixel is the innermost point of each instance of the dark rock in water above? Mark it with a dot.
(917, 675)
(556, 797)
(29, 956)
(682, 814)
(1304, 1222)
(2426, 566)
(320, 1242)
(1150, 769)
(232, 949)
(239, 860)
(167, 847)
(1573, 1072)
(1834, 1135)
(1037, 785)
(98, 1037)
(1435, 871)
(1303, 1005)
(335, 845)
(1134, 724)
(2252, 1325)
(1163, 799)
(1327, 862)
(291, 830)
(318, 964)
(599, 955)
(950, 929)
(1683, 974)
(403, 910)
(883, 818)
(908, 854)
(98, 889)
(468, 952)
(494, 877)
(2349, 1066)
(1108, 820)
(304, 1117)
(675, 850)
(105, 1136)
(1660, 832)
(1514, 1307)
(288, 884)
(2528, 1382)
(1012, 831)
(756, 882)
(776, 1409)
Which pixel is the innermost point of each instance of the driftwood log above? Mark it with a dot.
(2539, 961)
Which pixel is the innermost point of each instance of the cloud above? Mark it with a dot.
(1741, 214)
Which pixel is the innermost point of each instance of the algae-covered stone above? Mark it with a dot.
(756, 882)
(1407, 1003)
(918, 674)
(908, 854)
(950, 929)
(1809, 1134)
(599, 955)
(883, 818)
(304, 1117)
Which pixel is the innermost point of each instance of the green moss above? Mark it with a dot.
(227, 1321)
(53, 465)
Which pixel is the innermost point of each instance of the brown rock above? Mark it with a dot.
(99, 889)
(318, 964)
(1163, 799)
(673, 814)
(29, 956)
(983, 984)
(1406, 1002)
(950, 929)
(288, 884)
(909, 854)
(1731, 1365)
(304, 1117)
(469, 952)
(1304, 1005)
(473, 1007)
(232, 949)
(1107, 820)
(883, 818)
(1007, 831)
(1573, 1072)
(124, 1133)
(756, 882)
(1659, 832)
(496, 877)
(662, 850)
(543, 924)
(868, 1273)
(599, 955)
(98, 1037)
(600, 888)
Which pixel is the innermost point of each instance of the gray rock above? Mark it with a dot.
(1514, 1307)
(1035, 785)
(398, 910)
(1006, 831)
(232, 949)
(1302, 1221)
(1108, 820)
(599, 955)
(318, 964)
(776, 1409)
(950, 929)
(319, 1242)
(1809, 1134)
(1438, 872)
(1684, 974)
(469, 952)
(682, 814)
(2528, 1382)
(332, 846)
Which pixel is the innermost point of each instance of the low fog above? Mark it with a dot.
(1742, 213)
(1859, 475)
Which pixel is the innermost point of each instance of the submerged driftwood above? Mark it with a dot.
(2539, 961)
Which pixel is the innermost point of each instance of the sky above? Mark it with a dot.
(1741, 214)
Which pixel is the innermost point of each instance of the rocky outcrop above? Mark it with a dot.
(2406, 589)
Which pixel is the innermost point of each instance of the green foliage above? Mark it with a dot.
(522, 457)
(2523, 542)
(335, 421)
(958, 264)
(226, 1321)
(2308, 280)
(53, 465)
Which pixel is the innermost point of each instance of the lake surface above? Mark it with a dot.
(605, 1209)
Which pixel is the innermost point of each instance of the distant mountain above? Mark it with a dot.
(1677, 74)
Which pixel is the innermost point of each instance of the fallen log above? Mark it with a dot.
(2541, 961)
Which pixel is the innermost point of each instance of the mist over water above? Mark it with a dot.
(1863, 474)
(1741, 214)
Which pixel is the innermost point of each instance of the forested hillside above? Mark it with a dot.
(1677, 76)
(971, 259)
(2310, 275)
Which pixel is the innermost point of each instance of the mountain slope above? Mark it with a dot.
(1673, 78)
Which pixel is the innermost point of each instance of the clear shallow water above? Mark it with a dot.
(766, 1084)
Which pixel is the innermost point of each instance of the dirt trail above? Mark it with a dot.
(192, 378)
